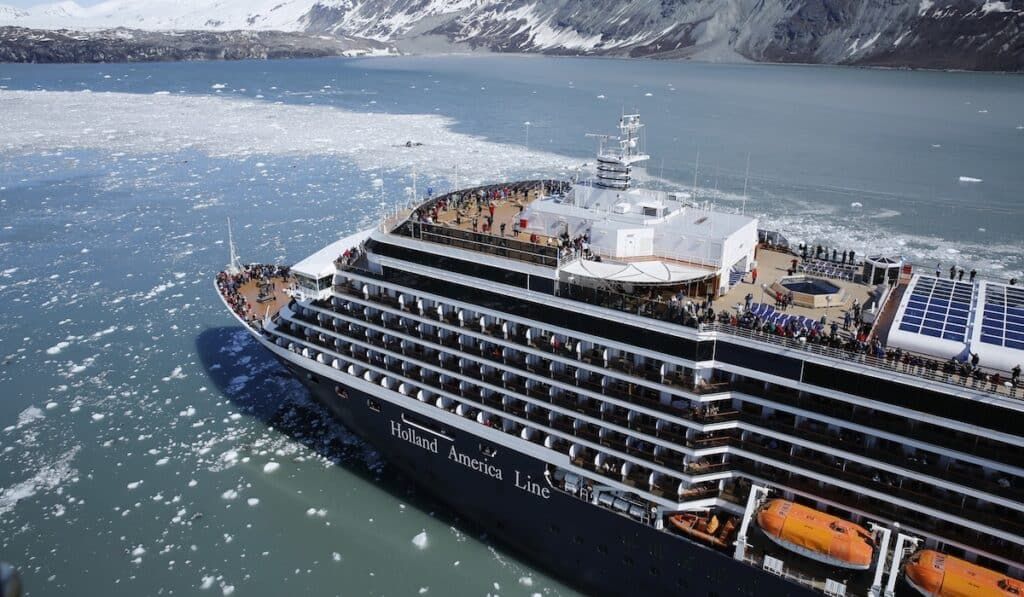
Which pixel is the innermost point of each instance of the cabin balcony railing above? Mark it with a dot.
(953, 504)
(886, 422)
(894, 457)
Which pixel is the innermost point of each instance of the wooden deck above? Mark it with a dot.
(772, 265)
(271, 303)
(506, 211)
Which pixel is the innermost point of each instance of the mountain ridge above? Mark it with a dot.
(942, 34)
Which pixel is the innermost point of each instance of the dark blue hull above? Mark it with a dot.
(594, 549)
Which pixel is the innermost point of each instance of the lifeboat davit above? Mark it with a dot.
(708, 528)
(936, 574)
(817, 535)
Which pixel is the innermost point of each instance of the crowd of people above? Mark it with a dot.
(859, 342)
(350, 256)
(230, 286)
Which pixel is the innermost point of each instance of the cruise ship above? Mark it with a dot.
(642, 394)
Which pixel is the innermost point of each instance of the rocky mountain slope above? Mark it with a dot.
(18, 44)
(968, 34)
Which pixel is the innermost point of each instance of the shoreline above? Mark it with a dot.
(331, 46)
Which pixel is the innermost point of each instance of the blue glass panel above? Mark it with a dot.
(931, 332)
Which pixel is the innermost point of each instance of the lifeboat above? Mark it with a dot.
(704, 529)
(817, 535)
(936, 574)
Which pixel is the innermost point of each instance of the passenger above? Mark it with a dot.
(974, 273)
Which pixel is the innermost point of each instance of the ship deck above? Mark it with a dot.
(254, 297)
(772, 265)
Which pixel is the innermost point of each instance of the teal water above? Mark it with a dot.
(138, 425)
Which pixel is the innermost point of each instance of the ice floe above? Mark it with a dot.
(239, 127)
(420, 540)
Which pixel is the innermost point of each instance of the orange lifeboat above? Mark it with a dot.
(816, 535)
(936, 574)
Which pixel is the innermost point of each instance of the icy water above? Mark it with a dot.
(147, 447)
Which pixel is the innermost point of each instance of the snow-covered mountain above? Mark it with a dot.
(983, 34)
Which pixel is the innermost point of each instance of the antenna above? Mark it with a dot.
(696, 166)
(414, 197)
(234, 266)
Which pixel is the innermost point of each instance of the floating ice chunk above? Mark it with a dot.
(207, 582)
(420, 540)
(336, 556)
(600, 96)
(162, 461)
(526, 581)
(982, 230)
(98, 416)
(134, 484)
(56, 348)
(856, 205)
(193, 483)
(138, 551)
(227, 589)
(271, 467)
(648, 94)
(29, 415)
(311, 512)
(229, 494)
(176, 374)
(253, 502)
(51, 405)
(969, 179)
(218, 86)
(423, 590)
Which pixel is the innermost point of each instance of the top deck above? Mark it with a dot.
(483, 219)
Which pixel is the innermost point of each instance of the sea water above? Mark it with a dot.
(148, 447)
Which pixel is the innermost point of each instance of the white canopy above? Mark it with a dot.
(642, 272)
(321, 263)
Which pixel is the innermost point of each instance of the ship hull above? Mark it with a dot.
(596, 550)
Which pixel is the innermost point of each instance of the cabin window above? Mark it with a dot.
(341, 392)
(373, 405)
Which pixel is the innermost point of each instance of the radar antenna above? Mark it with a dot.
(615, 166)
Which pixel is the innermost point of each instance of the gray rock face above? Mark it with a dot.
(18, 44)
(962, 34)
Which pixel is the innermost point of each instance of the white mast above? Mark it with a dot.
(235, 265)
(746, 177)
(696, 166)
